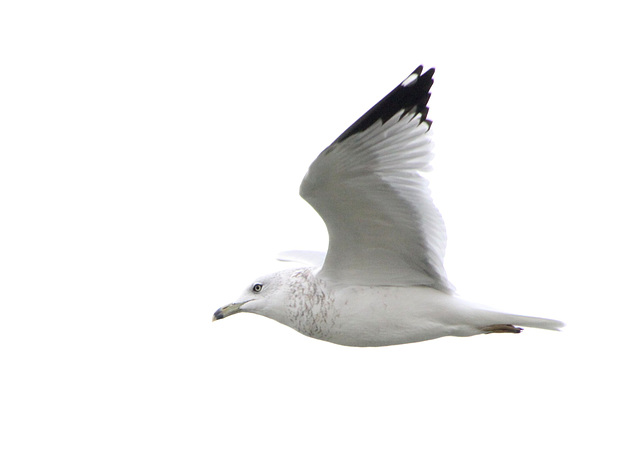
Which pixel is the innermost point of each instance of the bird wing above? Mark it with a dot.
(309, 258)
(368, 186)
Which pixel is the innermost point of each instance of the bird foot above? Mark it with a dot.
(501, 328)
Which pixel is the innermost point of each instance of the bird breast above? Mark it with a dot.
(311, 309)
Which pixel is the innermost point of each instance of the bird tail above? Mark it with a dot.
(490, 318)
(535, 322)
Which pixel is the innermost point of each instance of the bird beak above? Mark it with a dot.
(227, 310)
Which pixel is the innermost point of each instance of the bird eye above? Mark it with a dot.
(257, 287)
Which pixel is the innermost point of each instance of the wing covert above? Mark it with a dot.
(368, 186)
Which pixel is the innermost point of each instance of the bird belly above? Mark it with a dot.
(379, 316)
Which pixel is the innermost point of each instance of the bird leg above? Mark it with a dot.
(501, 328)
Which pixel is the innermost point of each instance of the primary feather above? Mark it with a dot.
(368, 188)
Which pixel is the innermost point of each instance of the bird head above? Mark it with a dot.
(268, 295)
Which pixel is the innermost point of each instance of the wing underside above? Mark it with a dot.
(369, 188)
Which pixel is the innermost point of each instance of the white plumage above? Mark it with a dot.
(383, 226)
(382, 281)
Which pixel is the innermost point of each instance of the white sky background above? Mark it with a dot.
(151, 154)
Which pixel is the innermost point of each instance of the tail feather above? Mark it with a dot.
(489, 318)
(535, 322)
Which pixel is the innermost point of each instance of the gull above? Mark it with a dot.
(382, 281)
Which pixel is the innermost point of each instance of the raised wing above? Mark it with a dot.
(369, 189)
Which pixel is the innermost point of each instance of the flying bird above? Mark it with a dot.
(382, 280)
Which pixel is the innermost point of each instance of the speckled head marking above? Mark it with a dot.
(292, 297)
(311, 308)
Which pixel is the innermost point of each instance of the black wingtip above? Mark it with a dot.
(413, 77)
(412, 95)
